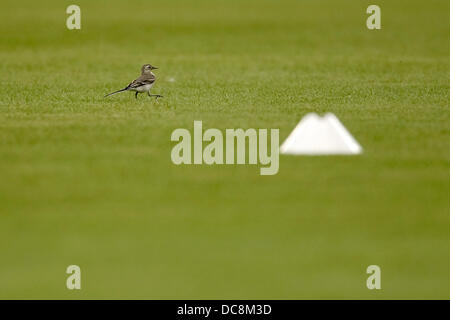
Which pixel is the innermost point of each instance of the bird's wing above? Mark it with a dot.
(141, 81)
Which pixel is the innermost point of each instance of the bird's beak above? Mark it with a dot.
(155, 68)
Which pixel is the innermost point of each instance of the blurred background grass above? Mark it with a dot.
(89, 181)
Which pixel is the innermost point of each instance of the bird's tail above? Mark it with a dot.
(118, 91)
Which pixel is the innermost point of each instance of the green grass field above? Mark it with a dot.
(89, 181)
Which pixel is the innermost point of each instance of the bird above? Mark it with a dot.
(142, 84)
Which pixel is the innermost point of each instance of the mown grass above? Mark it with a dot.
(89, 181)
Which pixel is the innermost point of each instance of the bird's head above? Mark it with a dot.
(147, 68)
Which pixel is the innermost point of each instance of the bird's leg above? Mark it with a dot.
(154, 95)
(136, 94)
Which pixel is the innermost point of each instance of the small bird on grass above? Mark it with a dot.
(142, 84)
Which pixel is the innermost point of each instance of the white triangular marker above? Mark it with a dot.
(320, 136)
